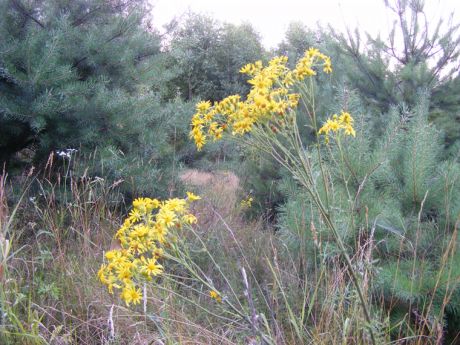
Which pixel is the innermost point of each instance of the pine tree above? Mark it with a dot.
(210, 54)
(419, 55)
(71, 74)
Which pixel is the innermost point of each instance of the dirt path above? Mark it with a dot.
(220, 187)
(198, 178)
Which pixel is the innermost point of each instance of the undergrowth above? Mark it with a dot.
(363, 248)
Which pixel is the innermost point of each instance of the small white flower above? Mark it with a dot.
(67, 153)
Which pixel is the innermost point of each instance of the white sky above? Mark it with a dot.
(271, 18)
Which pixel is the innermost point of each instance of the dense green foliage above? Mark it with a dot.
(209, 55)
(71, 73)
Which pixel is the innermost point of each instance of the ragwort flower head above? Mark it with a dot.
(215, 296)
(337, 124)
(145, 232)
(269, 102)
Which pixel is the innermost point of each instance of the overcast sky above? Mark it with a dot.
(271, 18)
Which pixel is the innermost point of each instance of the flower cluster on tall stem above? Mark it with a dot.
(267, 120)
(150, 227)
(271, 98)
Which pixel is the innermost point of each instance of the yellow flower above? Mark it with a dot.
(112, 254)
(101, 274)
(215, 131)
(152, 204)
(131, 295)
(111, 283)
(175, 205)
(151, 268)
(140, 204)
(135, 215)
(158, 253)
(334, 126)
(137, 247)
(125, 273)
(247, 69)
(140, 231)
(293, 100)
(197, 121)
(312, 52)
(215, 296)
(160, 232)
(349, 130)
(346, 118)
(189, 219)
(343, 122)
(200, 140)
(247, 203)
(192, 197)
(203, 106)
(327, 65)
(243, 126)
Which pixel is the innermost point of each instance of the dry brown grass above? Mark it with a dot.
(65, 236)
(76, 231)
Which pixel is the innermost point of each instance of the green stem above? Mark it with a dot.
(304, 179)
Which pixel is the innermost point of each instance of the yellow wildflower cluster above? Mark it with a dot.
(246, 203)
(343, 122)
(312, 56)
(269, 100)
(142, 237)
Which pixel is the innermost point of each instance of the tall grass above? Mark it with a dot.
(55, 226)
